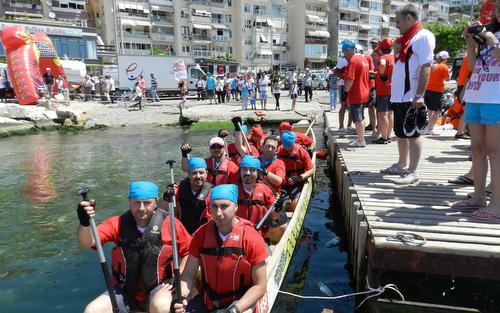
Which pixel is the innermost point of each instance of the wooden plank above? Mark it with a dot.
(451, 238)
(432, 220)
(472, 231)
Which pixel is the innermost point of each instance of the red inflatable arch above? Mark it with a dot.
(22, 61)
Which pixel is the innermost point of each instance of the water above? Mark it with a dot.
(314, 263)
(41, 265)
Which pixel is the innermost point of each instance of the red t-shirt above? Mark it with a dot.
(371, 82)
(277, 167)
(253, 245)
(357, 71)
(437, 77)
(301, 139)
(109, 231)
(384, 89)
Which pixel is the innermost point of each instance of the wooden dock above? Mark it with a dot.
(376, 209)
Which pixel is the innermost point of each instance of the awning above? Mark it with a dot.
(201, 26)
(121, 6)
(270, 23)
(142, 23)
(202, 41)
(155, 7)
(311, 33)
(314, 19)
(219, 26)
(146, 10)
(364, 27)
(128, 22)
(265, 52)
(323, 33)
(263, 39)
(202, 12)
(23, 14)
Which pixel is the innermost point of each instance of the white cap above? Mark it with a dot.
(443, 55)
(216, 141)
(47, 69)
(359, 47)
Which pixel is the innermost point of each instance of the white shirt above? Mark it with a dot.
(111, 84)
(484, 86)
(422, 44)
(341, 63)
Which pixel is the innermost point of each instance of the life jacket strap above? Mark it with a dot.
(250, 202)
(223, 251)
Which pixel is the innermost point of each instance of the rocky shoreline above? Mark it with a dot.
(22, 120)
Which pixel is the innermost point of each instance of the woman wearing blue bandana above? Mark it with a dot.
(136, 234)
(231, 254)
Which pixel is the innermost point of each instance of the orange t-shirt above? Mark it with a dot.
(464, 73)
(437, 78)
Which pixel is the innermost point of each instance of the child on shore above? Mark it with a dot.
(183, 93)
(252, 99)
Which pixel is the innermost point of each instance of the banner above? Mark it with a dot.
(180, 70)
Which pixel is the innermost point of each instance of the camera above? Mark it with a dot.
(478, 30)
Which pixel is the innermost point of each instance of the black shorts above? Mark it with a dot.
(383, 103)
(210, 92)
(357, 112)
(400, 109)
(343, 94)
(433, 100)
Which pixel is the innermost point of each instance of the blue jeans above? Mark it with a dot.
(333, 98)
(154, 95)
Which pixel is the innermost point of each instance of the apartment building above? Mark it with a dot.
(362, 20)
(254, 33)
(461, 3)
(65, 21)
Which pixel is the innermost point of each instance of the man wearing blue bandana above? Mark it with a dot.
(141, 236)
(298, 164)
(273, 169)
(231, 255)
(192, 195)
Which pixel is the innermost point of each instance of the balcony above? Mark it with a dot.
(162, 37)
(199, 2)
(202, 54)
(138, 35)
(133, 15)
(218, 4)
(203, 20)
(220, 38)
(162, 20)
(162, 2)
(318, 13)
(105, 50)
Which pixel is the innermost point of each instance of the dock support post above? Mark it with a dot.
(361, 256)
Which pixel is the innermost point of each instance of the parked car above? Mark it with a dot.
(319, 81)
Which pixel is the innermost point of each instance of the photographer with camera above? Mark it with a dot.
(482, 114)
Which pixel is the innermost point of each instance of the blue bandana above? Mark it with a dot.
(244, 128)
(347, 44)
(266, 162)
(225, 192)
(195, 163)
(250, 161)
(142, 190)
(288, 138)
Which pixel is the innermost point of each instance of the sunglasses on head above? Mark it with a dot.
(216, 147)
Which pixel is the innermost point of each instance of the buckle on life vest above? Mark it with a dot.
(217, 297)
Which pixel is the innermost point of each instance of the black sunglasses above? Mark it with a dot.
(215, 147)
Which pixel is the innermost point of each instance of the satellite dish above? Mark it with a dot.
(49, 3)
(52, 15)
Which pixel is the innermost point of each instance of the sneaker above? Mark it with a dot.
(422, 123)
(342, 129)
(407, 179)
(369, 127)
(394, 169)
(380, 141)
(356, 144)
(410, 122)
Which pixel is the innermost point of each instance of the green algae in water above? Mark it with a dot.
(212, 125)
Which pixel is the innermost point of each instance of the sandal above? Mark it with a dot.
(465, 205)
(485, 216)
(461, 180)
(487, 194)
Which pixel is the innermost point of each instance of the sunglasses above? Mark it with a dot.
(216, 147)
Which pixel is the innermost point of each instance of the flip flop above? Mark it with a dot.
(465, 205)
(485, 216)
(461, 180)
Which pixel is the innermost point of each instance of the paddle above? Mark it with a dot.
(277, 203)
(171, 213)
(105, 271)
(311, 125)
(244, 135)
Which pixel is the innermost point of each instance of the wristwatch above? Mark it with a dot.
(495, 45)
(233, 309)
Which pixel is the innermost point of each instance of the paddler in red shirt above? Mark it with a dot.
(232, 257)
(136, 287)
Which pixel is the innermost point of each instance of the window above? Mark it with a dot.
(375, 19)
(248, 8)
(348, 28)
(229, 18)
(248, 23)
(186, 49)
(184, 30)
(184, 14)
(375, 6)
(248, 40)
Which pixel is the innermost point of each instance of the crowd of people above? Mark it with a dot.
(404, 83)
(217, 207)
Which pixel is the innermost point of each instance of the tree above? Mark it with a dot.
(448, 37)
(331, 61)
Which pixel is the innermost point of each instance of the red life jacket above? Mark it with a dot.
(141, 258)
(234, 155)
(253, 208)
(293, 163)
(217, 176)
(226, 274)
